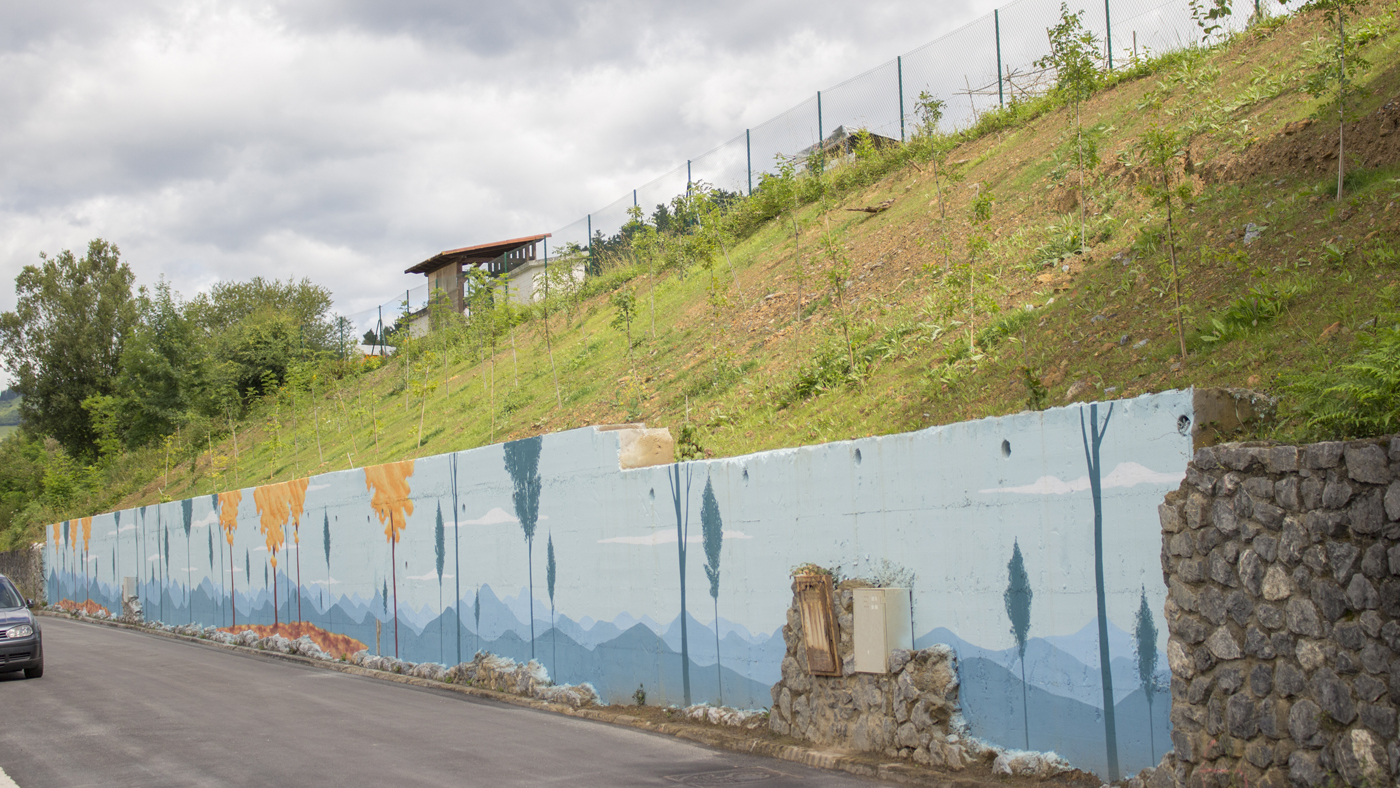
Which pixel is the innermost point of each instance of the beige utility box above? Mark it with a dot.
(881, 626)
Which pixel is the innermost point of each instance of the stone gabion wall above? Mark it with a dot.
(26, 568)
(1283, 573)
(906, 713)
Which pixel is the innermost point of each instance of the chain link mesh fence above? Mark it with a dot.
(979, 67)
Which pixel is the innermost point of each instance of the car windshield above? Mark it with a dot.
(8, 597)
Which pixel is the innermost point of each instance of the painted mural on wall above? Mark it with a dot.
(1033, 540)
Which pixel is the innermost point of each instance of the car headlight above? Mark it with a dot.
(21, 631)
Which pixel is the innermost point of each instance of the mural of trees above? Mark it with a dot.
(439, 552)
(228, 521)
(712, 529)
(389, 490)
(549, 583)
(87, 539)
(1093, 434)
(277, 505)
(522, 459)
(1018, 609)
(1145, 640)
(680, 499)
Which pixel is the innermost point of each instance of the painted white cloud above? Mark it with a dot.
(1126, 474)
(496, 516)
(663, 536)
(429, 576)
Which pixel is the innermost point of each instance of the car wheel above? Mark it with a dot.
(34, 673)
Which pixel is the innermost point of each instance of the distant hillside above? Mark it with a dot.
(875, 321)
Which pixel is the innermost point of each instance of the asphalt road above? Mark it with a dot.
(119, 708)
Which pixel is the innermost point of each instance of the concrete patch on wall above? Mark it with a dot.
(1032, 541)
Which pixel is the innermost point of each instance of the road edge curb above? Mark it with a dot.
(819, 759)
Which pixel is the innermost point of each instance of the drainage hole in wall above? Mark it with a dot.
(746, 475)
(1006, 448)
(1183, 424)
(857, 456)
(652, 493)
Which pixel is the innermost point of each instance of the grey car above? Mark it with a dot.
(21, 642)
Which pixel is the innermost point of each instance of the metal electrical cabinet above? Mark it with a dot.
(881, 625)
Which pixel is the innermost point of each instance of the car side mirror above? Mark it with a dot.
(29, 603)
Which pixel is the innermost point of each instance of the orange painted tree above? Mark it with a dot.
(87, 538)
(388, 486)
(228, 521)
(278, 503)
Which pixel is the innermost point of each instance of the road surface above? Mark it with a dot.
(120, 708)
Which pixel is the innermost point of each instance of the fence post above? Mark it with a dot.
(1108, 34)
(590, 243)
(899, 70)
(820, 136)
(634, 198)
(748, 152)
(687, 177)
(996, 23)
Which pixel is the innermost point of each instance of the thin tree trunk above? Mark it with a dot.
(515, 359)
(1083, 225)
(797, 245)
(1341, 102)
(298, 540)
(275, 621)
(232, 592)
(394, 569)
(530, 578)
(719, 671)
(1176, 274)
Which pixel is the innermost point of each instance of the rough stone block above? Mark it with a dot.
(1342, 558)
(1238, 604)
(1269, 616)
(1303, 619)
(1333, 696)
(1361, 758)
(1242, 719)
(1281, 459)
(1238, 457)
(1315, 558)
(1366, 462)
(1205, 459)
(1390, 598)
(1282, 643)
(1223, 645)
(1266, 546)
(1330, 599)
(1187, 628)
(1373, 658)
(1336, 494)
(1257, 644)
(1293, 542)
(1211, 604)
(1197, 511)
(1390, 635)
(1273, 718)
(1368, 688)
(1229, 679)
(1311, 654)
(1221, 571)
(1378, 718)
(1261, 680)
(1305, 724)
(1200, 480)
(1305, 769)
(1170, 518)
(1181, 595)
(1191, 570)
(1373, 564)
(1222, 516)
(1392, 501)
(1311, 491)
(1367, 514)
(1362, 595)
(1289, 680)
(1268, 515)
(1181, 545)
(1287, 493)
(1348, 634)
(1260, 753)
(1322, 455)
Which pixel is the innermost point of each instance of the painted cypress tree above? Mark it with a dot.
(440, 552)
(549, 582)
(712, 528)
(326, 545)
(167, 570)
(680, 499)
(522, 459)
(1018, 609)
(248, 573)
(1145, 641)
(476, 615)
(187, 521)
(1093, 434)
(456, 558)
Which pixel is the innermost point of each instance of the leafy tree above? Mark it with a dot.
(64, 341)
(1161, 148)
(1335, 78)
(1018, 609)
(1145, 640)
(522, 460)
(625, 302)
(712, 529)
(162, 376)
(979, 215)
(1074, 58)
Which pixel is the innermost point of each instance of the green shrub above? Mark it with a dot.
(1357, 399)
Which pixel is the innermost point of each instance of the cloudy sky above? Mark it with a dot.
(345, 141)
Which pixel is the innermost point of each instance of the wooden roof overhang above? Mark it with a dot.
(481, 253)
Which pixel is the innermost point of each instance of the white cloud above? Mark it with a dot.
(344, 141)
(429, 576)
(662, 536)
(1126, 474)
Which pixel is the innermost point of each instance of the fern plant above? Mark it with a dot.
(1358, 399)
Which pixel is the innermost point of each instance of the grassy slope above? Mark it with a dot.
(729, 370)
